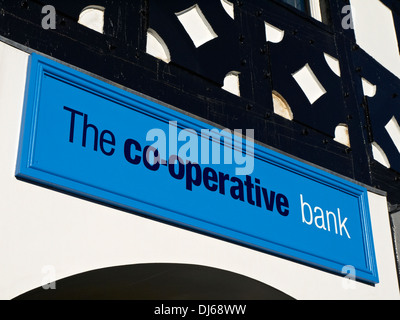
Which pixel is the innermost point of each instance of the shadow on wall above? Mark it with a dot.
(157, 282)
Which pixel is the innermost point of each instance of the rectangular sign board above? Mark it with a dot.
(87, 137)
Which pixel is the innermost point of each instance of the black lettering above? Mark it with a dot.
(222, 178)
(249, 187)
(110, 142)
(146, 157)
(210, 175)
(282, 204)
(128, 151)
(171, 167)
(189, 175)
(258, 192)
(237, 192)
(86, 126)
(269, 200)
(72, 125)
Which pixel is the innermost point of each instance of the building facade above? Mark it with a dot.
(312, 85)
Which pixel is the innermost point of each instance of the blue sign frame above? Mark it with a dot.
(87, 137)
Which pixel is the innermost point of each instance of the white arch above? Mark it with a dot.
(273, 34)
(229, 8)
(368, 88)
(342, 134)
(333, 63)
(92, 17)
(157, 47)
(281, 107)
(232, 83)
(380, 155)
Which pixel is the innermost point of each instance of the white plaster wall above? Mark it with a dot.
(40, 227)
(375, 32)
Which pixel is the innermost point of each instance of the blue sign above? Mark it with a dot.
(90, 138)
